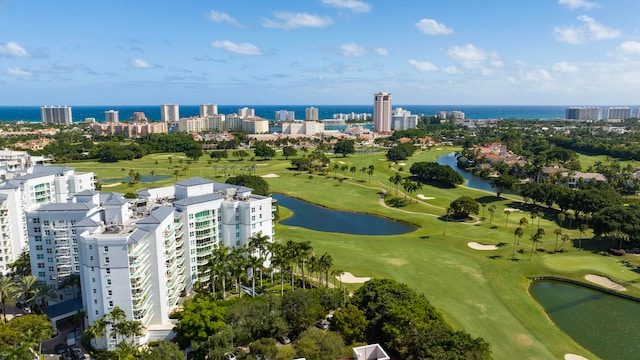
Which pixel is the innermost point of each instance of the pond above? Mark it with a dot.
(472, 181)
(318, 218)
(143, 179)
(605, 324)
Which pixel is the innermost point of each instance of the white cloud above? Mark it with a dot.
(468, 55)
(423, 65)
(577, 4)
(382, 51)
(353, 5)
(564, 67)
(18, 72)
(452, 70)
(432, 27)
(353, 50)
(630, 47)
(141, 64)
(12, 49)
(243, 48)
(589, 30)
(537, 75)
(220, 18)
(288, 20)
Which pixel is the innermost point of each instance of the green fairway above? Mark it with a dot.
(482, 292)
(587, 161)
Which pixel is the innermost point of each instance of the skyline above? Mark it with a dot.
(564, 52)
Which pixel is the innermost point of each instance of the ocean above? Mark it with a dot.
(476, 112)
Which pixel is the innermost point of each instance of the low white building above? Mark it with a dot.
(303, 128)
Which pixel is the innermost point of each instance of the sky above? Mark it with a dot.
(319, 52)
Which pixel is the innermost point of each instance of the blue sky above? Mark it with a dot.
(258, 52)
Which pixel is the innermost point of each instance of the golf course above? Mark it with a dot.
(484, 292)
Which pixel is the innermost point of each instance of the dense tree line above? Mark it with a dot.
(259, 185)
(401, 152)
(434, 172)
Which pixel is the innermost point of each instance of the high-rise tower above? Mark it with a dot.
(382, 112)
(169, 112)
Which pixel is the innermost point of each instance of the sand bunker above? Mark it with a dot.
(438, 148)
(341, 162)
(420, 196)
(605, 282)
(349, 278)
(477, 246)
(111, 185)
(402, 164)
(574, 357)
(512, 210)
(270, 176)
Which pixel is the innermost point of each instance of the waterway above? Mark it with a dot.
(471, 180)
(605, 324)
(318, 218)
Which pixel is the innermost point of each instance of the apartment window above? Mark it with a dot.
(106, 259)
(39, 247)
(46, 232)
(95, 301)
(45, 223)
(108, 281)
(91, 258)
(237, 234)
(108, 270)
(253, 218)
(49, 251)
(190, 216)
(41, 274)
(47, 241)
(49, 259)
(93, 268)
(40, 256)
(37, 229)
(36, 220)
(96, 312)
(237, 242)
(37, 238)
(74, 232)
(193, 268)
(253, 226)
(237, 218)
(110, 292)
(93, 279)
(76, 259)
(260, 216)
(111, 303)
(40, 265)
(253, 210)
(90, 247)
(51, 268)
(94, 291)
(260, 208)
(77, 268)
(106, 249)
(73, 222)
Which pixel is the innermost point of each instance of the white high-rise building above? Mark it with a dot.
(382, 112)
(170, 112)
(285, 115)
(60, 115)
(618, 113)
(140, 256)
(111, 116)
(402, 119)
(208, 110)
(246, 113)
(311, 113)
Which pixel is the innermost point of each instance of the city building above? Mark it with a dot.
(586, 113)
(141, 255)
(303, 128)
(111, 116)
(60, 115)
(285, 115)
(139, 116)
(208, 110)
(352, 116)
(255, 126)
(382, 112)
(233, 122)
(169, 112)
(311, 113)
(617, 114)
(130, 130)
(445, 115)
(245, 113)
(402, 119)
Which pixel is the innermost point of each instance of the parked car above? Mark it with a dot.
(229, 356)
(283, 339)
(323, 324)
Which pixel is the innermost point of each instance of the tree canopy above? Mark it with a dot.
(464, 206)
(344, 147)
(259, 185)
(434, 172)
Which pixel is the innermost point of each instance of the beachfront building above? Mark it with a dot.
(169, 112)
(285, 115)
(255, 126)
(446, 115)
(382, 112)
(111, 116)
(311, 113)
(140, 256)
(402, 119)
(60, 115)
(245, 113)
(617, 114)
(129, 129)
(585, 113)
(233, 122)
(208, 110)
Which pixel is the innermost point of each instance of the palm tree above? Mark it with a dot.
(353, 170)
(492, 210)
(535, 238)
(540, 214)
(370, 171)
(335, 169)
(305, 251)
(571, 217)
(564, 239)
(507, 213)
(117, 318)
(237, 267)
(417, 186)
(517, 234)
(344, 169)
(558, 233)
(396, 180)
(337, 273)
(8, 293)
(363, 170)
(582, 229)
(447, 213)
(325, 262)
(27, 287)
(70, 281)
(98, 329)
(619, 236)
(44, 292)
(132, 329)
(484, 205)
(176, 172)
(406, 185)
(254, 262)
(221, 259)
(524, 222)
(561, 218)
(290, 253)
(153, 174)
(215, 170)
(278, 260)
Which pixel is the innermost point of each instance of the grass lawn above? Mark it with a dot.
(587, 161)
(482, 292)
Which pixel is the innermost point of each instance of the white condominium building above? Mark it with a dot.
(60, 115)
(618, 113)
(233, 122)
(311, 113)
(285, 115)
(208, 110)
(255, 126)
(140, 256)
(303, 128)
(246, 113)
(111, 116)
(402, 119)
(169, 112)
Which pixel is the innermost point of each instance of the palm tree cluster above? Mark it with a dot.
(409, 186)
(115, 324)
(290, 257)
(27, 290)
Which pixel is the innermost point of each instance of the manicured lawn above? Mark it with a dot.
(587, 161)
(482, 292)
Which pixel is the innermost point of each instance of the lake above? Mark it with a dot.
(318, 218)
(471, 180)
(606, 325)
